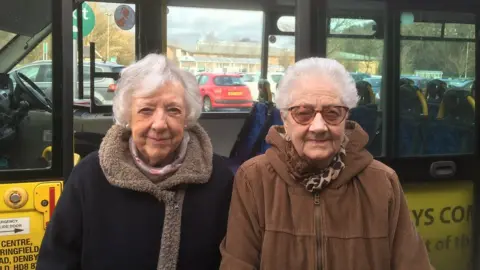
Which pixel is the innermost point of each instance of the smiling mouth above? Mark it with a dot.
(319, 141)
(159, 139)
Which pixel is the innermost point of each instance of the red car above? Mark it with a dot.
(223, 91)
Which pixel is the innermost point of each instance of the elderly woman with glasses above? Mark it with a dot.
(317, 199)
(154, 196)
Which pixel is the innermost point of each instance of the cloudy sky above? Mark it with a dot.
(186, 26)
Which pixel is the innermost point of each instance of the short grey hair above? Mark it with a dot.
(146, 76)
(318, 67)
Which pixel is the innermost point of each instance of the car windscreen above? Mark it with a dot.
(227, 81)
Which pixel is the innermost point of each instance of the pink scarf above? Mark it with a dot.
(157, 174)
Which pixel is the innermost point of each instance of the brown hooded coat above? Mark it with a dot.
(360, 221)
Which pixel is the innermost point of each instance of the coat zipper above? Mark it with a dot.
(318, 233)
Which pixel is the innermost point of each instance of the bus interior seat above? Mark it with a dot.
(404, 81)
(365, 114)
(413, 110)
(251, 138)
(456, 106)
(452, 131)
(434, 95)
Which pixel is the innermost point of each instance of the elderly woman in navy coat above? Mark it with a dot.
(154, 196)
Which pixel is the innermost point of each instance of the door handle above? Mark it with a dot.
(442, 169)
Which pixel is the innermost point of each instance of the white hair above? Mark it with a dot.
(317, 67)
(145, 77)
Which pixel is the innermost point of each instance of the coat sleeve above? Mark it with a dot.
(241, 246)
(62, 244)
(408, 249)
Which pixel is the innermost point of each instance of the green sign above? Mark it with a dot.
(88, 17)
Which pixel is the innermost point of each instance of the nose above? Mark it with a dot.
(318, 124)
(159, 121)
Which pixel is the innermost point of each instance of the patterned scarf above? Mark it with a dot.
(313, 178)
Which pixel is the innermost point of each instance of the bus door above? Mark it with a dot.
(414, 67)
(432, 134)
(35, 123)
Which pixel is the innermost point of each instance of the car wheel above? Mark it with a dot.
(207, 104)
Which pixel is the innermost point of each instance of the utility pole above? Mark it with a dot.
(108, 34)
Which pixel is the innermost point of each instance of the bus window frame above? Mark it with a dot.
(62, 116)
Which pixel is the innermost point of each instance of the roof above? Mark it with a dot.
(97, 63)
(208, 59)
(352, 56)
(219, 74)
(238, 48)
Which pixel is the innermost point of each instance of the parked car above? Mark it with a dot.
(40, 72)
(223, 91)
(251, 80)
(463, 84)
(359, 76)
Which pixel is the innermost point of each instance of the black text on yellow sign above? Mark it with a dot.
(442, 214)
(19, 254)
(25, 212)
(448, 215)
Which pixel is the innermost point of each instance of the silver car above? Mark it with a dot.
(40, 72)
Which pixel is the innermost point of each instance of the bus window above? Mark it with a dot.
(211, 41)
(111, 26)
(437, 62)
(26, 102)
(356, 44)
(281, 54)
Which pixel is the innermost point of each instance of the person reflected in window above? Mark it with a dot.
(317, 199)
(154, 196)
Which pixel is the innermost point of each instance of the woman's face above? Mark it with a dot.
(318, 136)
(158, 122)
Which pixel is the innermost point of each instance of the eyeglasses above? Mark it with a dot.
(332, 114)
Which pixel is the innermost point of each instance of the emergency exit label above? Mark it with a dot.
(14, 226)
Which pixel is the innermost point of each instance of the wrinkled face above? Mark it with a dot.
(158, 122)
(315, 137)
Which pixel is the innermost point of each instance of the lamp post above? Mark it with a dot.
(108, 33)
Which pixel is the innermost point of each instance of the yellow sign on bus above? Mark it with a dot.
(25, 210)
(442, 213)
